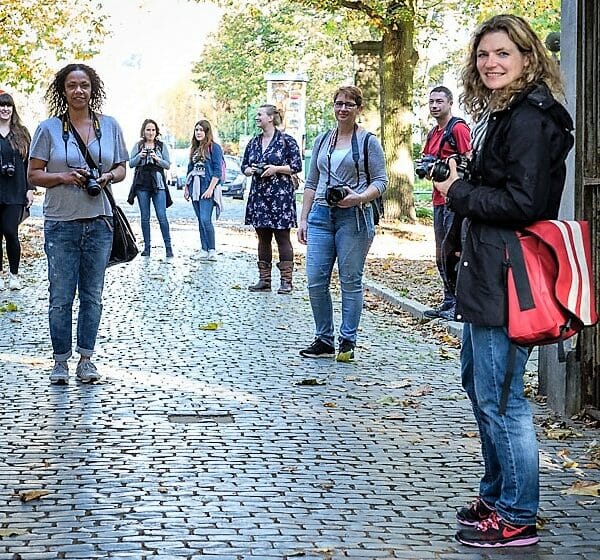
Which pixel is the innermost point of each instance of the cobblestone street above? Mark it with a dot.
(206, 444)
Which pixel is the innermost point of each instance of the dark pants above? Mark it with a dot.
(10, 214)
(442, 222)
(282, 238)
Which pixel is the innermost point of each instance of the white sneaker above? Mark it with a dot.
(203, 255)
(86, 372)
(212, 255)
(13, 282)
(59, 374)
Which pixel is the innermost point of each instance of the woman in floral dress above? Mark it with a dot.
(271, 158)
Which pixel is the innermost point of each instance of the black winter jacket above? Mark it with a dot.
(520, 174)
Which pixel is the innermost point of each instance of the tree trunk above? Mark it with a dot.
(399, 59)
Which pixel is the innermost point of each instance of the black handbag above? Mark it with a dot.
(124, 248)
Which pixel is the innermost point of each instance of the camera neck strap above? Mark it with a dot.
(67, 126)
(355, 153)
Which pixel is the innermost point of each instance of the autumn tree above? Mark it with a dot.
(274, 37)
(35, 33)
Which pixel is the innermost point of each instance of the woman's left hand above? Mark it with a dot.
(207, 194)
(270, 170)
(351, 199)
(444, 186)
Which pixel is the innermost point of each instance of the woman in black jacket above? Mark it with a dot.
(15, 191)
(521, 139)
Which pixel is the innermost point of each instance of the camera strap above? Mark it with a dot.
(68, 126)
(355, 154)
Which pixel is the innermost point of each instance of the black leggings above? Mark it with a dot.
(10, 214)
(284, 245)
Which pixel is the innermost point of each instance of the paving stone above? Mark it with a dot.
(288, 474)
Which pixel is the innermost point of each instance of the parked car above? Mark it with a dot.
(179, 162)
(235, 181)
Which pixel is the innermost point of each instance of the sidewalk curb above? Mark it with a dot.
(413, 307)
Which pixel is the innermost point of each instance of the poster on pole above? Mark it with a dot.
(288, 93)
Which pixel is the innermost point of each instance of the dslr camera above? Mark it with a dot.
(334, 194)
(7, 169)
(439, 169)
(258, 168)
(92, 186)
(149, 152)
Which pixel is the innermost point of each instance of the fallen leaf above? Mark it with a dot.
(12, 532)
(311, 381)
(561, 433)
(213, 326)
(421, 391)
(469, 434)
(570, 464)
(236, 287)
(162, 490)
(330, 404)
(8, 307)
(28, 495)
(586, 502)
(389, 401)
(326, 485)
(583, 488)
(401, 384)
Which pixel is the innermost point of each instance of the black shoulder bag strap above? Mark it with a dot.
(366, 157)
(66, 126)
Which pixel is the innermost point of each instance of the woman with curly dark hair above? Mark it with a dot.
(75, 155)
(15, 192)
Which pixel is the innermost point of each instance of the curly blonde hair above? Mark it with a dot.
(476, 98)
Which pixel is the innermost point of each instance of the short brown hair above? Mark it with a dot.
(350, 91)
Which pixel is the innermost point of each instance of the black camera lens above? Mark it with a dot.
(92, 186)
(10, 170)
(334, 194)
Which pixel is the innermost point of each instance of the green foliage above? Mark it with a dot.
(34, 33)
(255, 39)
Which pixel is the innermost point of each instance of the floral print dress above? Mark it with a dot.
(272, 200)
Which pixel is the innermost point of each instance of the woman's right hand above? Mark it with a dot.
(186, 193)
(302, 228)
(75, 177)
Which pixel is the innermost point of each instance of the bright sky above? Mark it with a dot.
(153, 45)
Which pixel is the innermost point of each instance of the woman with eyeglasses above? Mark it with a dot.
(203, 185)
(15, 192)
(337, 222)
(150, 158)
(76, 154)
(271, 158)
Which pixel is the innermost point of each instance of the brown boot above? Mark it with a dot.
(286, 268)
(264, 278)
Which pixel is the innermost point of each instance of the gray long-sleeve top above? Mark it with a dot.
(345, 172)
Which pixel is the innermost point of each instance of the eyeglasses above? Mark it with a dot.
(346, 104)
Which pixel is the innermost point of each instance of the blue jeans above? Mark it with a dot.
(159, 200)
(442, 222)
(508, 443)
(344, 234)
(204, 210)
(77, 252)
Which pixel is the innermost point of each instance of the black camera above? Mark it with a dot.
(441, 169)
(334, 194)
(424, 165)
(7, 169)
(148, 152)
(258, 168)
(92, 187)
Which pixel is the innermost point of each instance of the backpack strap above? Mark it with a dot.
(366, 156)
(448, 135)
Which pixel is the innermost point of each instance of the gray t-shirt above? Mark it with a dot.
(68, 202)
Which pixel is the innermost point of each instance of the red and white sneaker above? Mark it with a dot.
(494, 532)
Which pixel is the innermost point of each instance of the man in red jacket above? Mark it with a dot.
(450, 136)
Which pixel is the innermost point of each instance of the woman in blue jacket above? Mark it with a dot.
(203, 184)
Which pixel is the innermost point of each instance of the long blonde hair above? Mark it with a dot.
(541, 68)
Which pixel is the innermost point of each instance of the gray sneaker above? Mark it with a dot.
(86, 372)
(59, 374)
